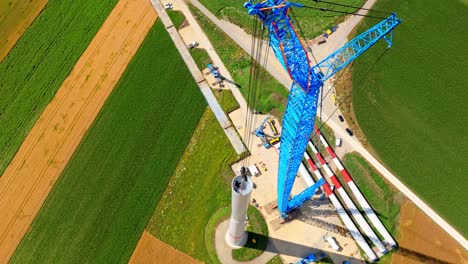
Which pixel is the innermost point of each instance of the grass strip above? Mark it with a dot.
(104, 199)
(227, 100)
(177, 17)
(42, 58)
(201, 58)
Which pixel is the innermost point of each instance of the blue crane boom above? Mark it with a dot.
(353, 49)
(301, 109)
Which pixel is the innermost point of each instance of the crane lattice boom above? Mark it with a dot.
(299, 117)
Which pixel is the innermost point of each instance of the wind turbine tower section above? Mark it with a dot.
(241, 188)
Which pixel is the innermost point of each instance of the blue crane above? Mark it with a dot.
(301, 109)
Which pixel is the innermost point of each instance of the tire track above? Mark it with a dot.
(14, 32)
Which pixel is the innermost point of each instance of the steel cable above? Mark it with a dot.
(356, 7)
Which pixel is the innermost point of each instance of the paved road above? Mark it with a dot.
(336, 40)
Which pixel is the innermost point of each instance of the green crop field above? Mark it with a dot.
(312, 22)
(197, 189)
(99, 208)
(410, 102)
(40, 61)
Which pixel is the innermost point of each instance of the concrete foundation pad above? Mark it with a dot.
(276, 223)
(271, 207)
(241, 242)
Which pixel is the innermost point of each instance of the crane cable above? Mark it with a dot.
(356, 7)
(255, 88)
(341, 12)
(250, 85)
(346, 96)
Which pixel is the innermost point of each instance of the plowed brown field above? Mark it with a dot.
(423, 241)
(15, 18)
(57, 133)
(152, 250)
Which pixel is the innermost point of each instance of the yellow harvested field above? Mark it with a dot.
(152, 250)
(423, 241)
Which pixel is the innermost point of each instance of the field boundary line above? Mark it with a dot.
(68, 131)
(115, 62)
(10, 42)
(47, 121)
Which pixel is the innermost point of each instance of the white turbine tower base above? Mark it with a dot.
(236, 236)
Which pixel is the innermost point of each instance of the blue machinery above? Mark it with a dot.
(298, 120)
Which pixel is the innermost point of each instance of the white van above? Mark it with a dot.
(338, 142)
(332, 242)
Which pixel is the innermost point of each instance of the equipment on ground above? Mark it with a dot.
(298, 120)
(311, 258)
(267, 141)
(254, 170)
(274, 141)
(217, 76)
(214, 70)
(271, 123)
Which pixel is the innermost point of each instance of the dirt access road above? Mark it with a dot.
(15, 17)
(57, 133)
(152, 250)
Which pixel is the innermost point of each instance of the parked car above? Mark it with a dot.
(349, 131)
(168, 6)
(338, 142)
(340, 117)
(193, 44)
